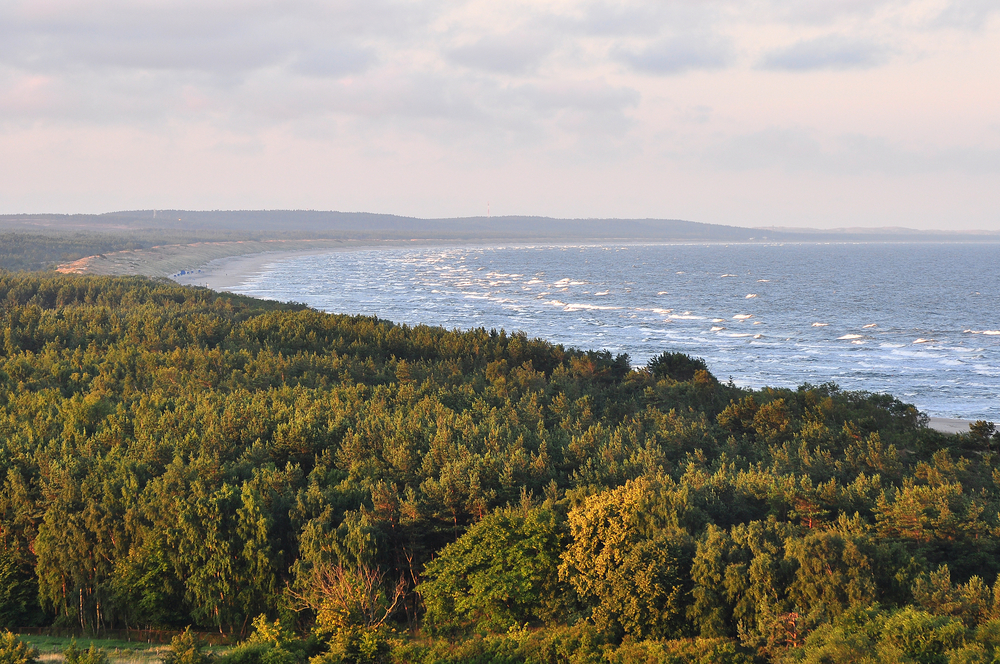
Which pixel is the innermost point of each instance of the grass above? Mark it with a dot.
(50, 649)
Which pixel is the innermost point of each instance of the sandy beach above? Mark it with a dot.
(949, 425)
(227, 273)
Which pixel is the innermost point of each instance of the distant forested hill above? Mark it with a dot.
(364, 225)
(174, 456)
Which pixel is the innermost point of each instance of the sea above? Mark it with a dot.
(918, 321)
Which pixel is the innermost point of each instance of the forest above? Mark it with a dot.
(333, 488)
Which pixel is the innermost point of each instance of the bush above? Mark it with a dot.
(186, 649)
(92, 655)
(677, 366)
(15, 651)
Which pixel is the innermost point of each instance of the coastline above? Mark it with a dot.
(225, 266)
(230, 272)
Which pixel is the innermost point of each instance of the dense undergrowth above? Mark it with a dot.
(345, 489)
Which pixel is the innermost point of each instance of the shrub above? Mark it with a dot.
(92, 655)
(186, 648)
(15, 651)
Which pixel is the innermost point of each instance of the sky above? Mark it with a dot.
(803, 113)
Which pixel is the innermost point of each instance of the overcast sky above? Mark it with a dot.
(824, 113)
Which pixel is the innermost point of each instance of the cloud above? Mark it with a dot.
(800, 150)
(968, 14)
(829, 52)
(678, 55)
(503, 54)
(333, 61)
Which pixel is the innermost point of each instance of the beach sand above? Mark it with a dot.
(949, 425)
(227, 273)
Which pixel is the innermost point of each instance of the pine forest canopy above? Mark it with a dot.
(172, 456)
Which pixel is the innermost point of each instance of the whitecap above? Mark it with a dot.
(556, 303)
(849, 336)
(683, 317)
(925, 341)
(745, 334)
(718, 320)
(742, 316)
(603, 292)
(716, 328)
(587, 307)
(722, 276)
(750, 296)
(763, 281)
(663, 292)
(758, 336)
(820, 324)
(661, 311)
(758, 322)
(865, 327)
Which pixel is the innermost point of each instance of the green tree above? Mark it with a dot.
(502, 572)
(629, 560)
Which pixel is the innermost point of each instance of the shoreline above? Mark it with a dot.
(229, 272)
(225, 266)
(226, 274)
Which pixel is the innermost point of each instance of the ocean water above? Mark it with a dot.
(918, 321)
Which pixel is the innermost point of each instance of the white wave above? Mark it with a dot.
(870, 325)
(758, 322)
(718, 320)
(988, 333)
(750, 296)
(534, 281)
(663, 292)
(742, 316)
(745, 334)
(716, 328)
(758, 336)
(680, 273)
(763, 281)
(857, 342)
(555, 303)
(561, 282)
(661, 311)
(849, 336)
(603, 292)
(723, 276)
(925, 341)
(683, 317)
(588, 307)
(820, 324)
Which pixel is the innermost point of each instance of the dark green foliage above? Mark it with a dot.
(676, 366)
(18, 592)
